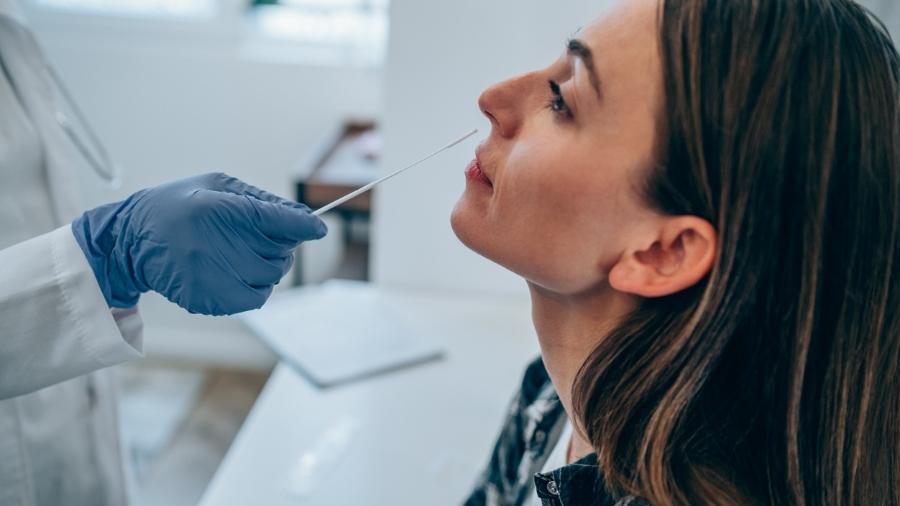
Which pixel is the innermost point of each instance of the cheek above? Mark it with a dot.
(554, 229)
(542, 222)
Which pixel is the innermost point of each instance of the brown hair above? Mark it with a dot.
(775, 380)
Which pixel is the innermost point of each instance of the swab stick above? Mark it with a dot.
(373, 184)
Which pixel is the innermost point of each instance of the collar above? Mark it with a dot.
(578, 483)
(13, 9)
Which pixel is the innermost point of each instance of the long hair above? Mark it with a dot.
(776, 379)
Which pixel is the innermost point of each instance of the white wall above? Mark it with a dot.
(441, 56)
(177, 98)
(889, 12)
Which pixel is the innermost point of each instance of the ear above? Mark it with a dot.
(681, 252)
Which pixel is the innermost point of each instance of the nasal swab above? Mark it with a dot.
(371, 185)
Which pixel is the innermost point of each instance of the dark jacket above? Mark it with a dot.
(532, 429)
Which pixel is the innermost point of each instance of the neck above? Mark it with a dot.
(569, 328)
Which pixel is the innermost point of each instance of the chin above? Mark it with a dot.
(462, 223)
(471, 228)
(473, 231)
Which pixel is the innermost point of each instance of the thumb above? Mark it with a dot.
(282, 222)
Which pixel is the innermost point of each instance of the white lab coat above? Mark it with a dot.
(59, 440)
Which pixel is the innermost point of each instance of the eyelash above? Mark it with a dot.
(558, 103)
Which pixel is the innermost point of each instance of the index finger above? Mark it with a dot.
(285, 223)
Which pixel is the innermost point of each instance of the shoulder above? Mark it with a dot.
(532, 427)
(13, 30)
(533, 418)
(21, 54)
(535, 412)
(535, 381)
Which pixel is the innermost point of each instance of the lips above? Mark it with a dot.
(475, 174)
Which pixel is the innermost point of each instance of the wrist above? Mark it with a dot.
(95, 233)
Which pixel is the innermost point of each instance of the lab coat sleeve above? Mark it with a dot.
(55, 324)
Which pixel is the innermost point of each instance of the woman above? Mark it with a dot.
(703, 198)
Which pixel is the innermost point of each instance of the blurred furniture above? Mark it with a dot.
(344, 161)
(416, 436)
(329, 348)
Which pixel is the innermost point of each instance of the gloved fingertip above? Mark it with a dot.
(315, 227)
(322, 230)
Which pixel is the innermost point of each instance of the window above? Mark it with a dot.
(317, 32)
(153, 8)
(355, 29)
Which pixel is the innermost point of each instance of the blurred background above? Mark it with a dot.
(308, 99)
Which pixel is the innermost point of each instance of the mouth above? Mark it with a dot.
(475, 174)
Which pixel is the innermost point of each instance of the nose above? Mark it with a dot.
(502, 104)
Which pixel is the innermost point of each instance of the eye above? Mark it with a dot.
(558, 103)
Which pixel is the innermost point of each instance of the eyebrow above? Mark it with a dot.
(579, 50)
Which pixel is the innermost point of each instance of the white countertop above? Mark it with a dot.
(413, 437)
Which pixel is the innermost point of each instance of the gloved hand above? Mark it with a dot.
(211, 244)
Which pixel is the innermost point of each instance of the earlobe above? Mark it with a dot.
(681, 253)
(629, 276)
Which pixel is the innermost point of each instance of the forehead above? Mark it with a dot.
(625, 41)
(626, 53)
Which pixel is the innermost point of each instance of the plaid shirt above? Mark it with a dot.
(532, 429)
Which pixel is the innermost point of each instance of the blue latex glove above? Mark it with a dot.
(211, 244)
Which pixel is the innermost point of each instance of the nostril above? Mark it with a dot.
(488, 114)
(491, 117)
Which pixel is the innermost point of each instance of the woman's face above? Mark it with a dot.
(554, 194)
